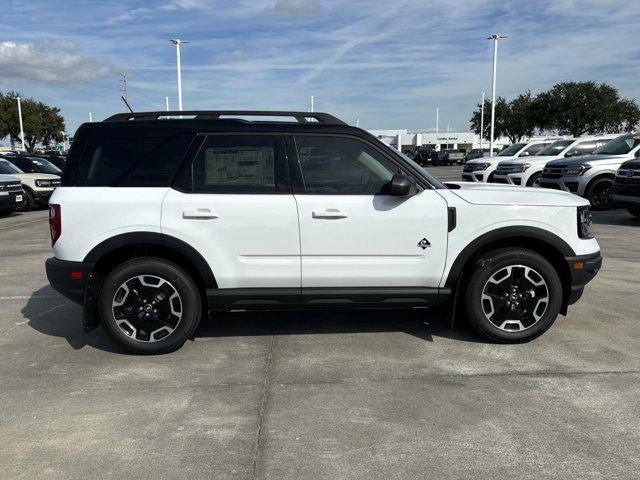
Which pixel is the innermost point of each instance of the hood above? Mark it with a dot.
(582, 159)
(9, 178)
(494, 159)
(38, 176)
(634, 164)
(502, 194)
(533, 160)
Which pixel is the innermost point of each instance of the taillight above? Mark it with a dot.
(55, 222)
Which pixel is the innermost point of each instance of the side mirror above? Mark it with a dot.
(571, 153)
(402, 186)
(524, 154)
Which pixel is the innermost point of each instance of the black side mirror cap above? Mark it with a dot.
(403, 186)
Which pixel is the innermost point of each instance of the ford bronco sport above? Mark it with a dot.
(160, 218)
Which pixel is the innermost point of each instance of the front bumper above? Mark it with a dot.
(583, 269)
(42, 196)
(509, 179)
(566, 184)
(626, 195)
(478, 176)
(10, 199)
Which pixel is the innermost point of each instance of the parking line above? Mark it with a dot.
(25, 223)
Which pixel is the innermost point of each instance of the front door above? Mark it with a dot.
(239, 212)
(352, 232)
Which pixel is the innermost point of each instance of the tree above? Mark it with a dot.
(515, 119)
(41, 123)
(578, 108)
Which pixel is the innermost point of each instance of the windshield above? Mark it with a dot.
(8, 168)
(45, 166)
(555, 148)
(511, 150)
(619, 146)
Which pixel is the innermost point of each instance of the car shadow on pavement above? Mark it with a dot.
(618, 217)
(50, 313)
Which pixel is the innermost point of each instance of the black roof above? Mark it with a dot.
(163, 123)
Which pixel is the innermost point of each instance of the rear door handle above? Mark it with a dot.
(200, 214)
(329, 213)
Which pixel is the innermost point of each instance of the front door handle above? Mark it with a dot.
(329, 213)
(200, 214)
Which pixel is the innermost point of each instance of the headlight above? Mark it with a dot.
(523, 167)
(584, 222)
(577, 169)
(43, 183)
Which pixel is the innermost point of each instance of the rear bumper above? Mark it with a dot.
(583, 269)
(68, 278)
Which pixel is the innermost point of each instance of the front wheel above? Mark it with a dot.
(514, 295)
(149, 306)
(27, 202)
(635, 211)
(600, 195)
(534, 181)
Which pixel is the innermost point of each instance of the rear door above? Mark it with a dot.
(235, 206)
(352, 232)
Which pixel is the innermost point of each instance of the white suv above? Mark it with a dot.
(37, 183)
(158, 221)
(482, 169)
(592, 176)
(526, 172)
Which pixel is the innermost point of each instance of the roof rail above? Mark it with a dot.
(301, 117)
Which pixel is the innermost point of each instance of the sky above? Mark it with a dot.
(388, 63)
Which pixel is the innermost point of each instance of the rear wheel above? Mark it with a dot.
(514, 295)
(635, 211)
(599, 194)
(149, 306)
(27, 202)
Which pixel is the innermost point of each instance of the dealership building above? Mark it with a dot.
(408, 139)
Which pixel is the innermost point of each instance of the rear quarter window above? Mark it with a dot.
(126, 161)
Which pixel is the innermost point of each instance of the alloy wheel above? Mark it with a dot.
(515, 298)
(601, 195)
(147, 308)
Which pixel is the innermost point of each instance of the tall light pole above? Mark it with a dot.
(312, 98)
(447, 136)
(90, 117)
(437, 125)
(166, 101)
(482, 120)
(177, 42)
(495, 39)
(20, 121)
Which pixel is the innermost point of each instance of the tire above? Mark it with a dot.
(534, 180)
(599, 194)
(490, 177)
(123, 295)
(635, 211)
(493, 315)
(27, 202)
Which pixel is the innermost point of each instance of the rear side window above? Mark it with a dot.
(239, 164)
(129, 161)
(584, 148)
(533, 149)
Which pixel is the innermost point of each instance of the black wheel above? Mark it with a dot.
(599, 194)
(490, 178)
(514, 295)
(534, 181)
(27, 202)
(149, 306)
(635, 211)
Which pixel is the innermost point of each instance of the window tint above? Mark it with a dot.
(584, 148)
(8, 167)
(25, 165)
(533, 149)
(130, 161)
(237, 164)
(337, 165)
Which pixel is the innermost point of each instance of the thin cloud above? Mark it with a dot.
(56, 62)
(134, 14)
(298, 7)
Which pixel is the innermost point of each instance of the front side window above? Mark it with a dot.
(343, 166)
(584, 148)
(237, 164)
(534, 149)
(512, 150)
(619, 146)
(555, 148)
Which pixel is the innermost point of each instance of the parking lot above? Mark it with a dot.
(311, 395)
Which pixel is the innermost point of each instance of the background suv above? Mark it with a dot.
(482, 169)
(10, 193)
(592, 176)
(37, 186)
(527, 171)
(626, 187)
(158, 221)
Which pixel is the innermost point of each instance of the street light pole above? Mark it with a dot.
(90, 117)
(312, 98)
(495, 39)
(482, 121)
(437, 125)
(166, 101)
(20, 121)
(177, 42)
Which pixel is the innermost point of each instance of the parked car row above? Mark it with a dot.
(585, 166)
(28, 180)
(428, 157)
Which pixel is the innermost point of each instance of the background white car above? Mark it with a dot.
(526, 171)
(481, 169)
